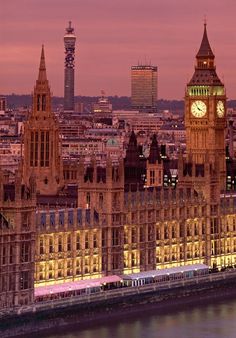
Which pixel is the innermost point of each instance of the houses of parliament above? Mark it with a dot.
(63, 221)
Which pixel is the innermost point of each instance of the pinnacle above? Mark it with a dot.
(42, 67)
(205, 48)
(154, 151)
(133, 139)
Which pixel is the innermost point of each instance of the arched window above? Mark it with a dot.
(43, 102)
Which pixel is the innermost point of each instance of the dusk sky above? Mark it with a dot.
(113, 35)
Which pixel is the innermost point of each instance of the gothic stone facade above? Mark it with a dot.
(118, 226)
(114, 231)
(17, 239)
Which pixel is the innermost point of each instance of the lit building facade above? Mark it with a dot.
(144, 87)
(124, 224)
(84, 242)
(69, 79)
(120, 225)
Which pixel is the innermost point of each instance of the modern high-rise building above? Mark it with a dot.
(69, 42)
(144, 87)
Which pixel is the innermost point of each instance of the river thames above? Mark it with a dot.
(204, 320)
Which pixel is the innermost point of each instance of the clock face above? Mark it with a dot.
(220, 109)
(198, 108)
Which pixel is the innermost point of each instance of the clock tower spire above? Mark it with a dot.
(205, 112)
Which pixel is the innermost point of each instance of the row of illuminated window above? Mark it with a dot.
(156, 215)
(136, 258)
(144, 233)
(168, 210)
(68, 242)
(138, 234)
(67, 268)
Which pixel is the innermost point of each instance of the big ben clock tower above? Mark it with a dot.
(205, 112)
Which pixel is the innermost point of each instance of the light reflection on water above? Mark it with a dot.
(210, 321)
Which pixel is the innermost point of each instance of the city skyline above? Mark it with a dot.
(110, 39)
(107, 208)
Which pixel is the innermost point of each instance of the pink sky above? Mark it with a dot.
(113, 35)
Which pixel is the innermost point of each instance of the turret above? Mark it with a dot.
(154, 155)
(154, 167)
(135, 167)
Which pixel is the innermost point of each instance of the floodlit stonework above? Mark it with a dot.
(123, 219)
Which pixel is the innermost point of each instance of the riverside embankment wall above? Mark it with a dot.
(83, 309)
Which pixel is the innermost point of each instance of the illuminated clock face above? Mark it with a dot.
(220, 109)
(198, 108)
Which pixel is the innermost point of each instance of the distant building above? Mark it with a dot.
(172, 131)
(79, 107)
(69, 41)
(139, 121)
(144, 87)
(3, 104)
(102, 110)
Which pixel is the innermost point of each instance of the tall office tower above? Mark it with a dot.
(144, 87)
(69, 41)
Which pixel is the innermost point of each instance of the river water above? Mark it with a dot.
(204, 320)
